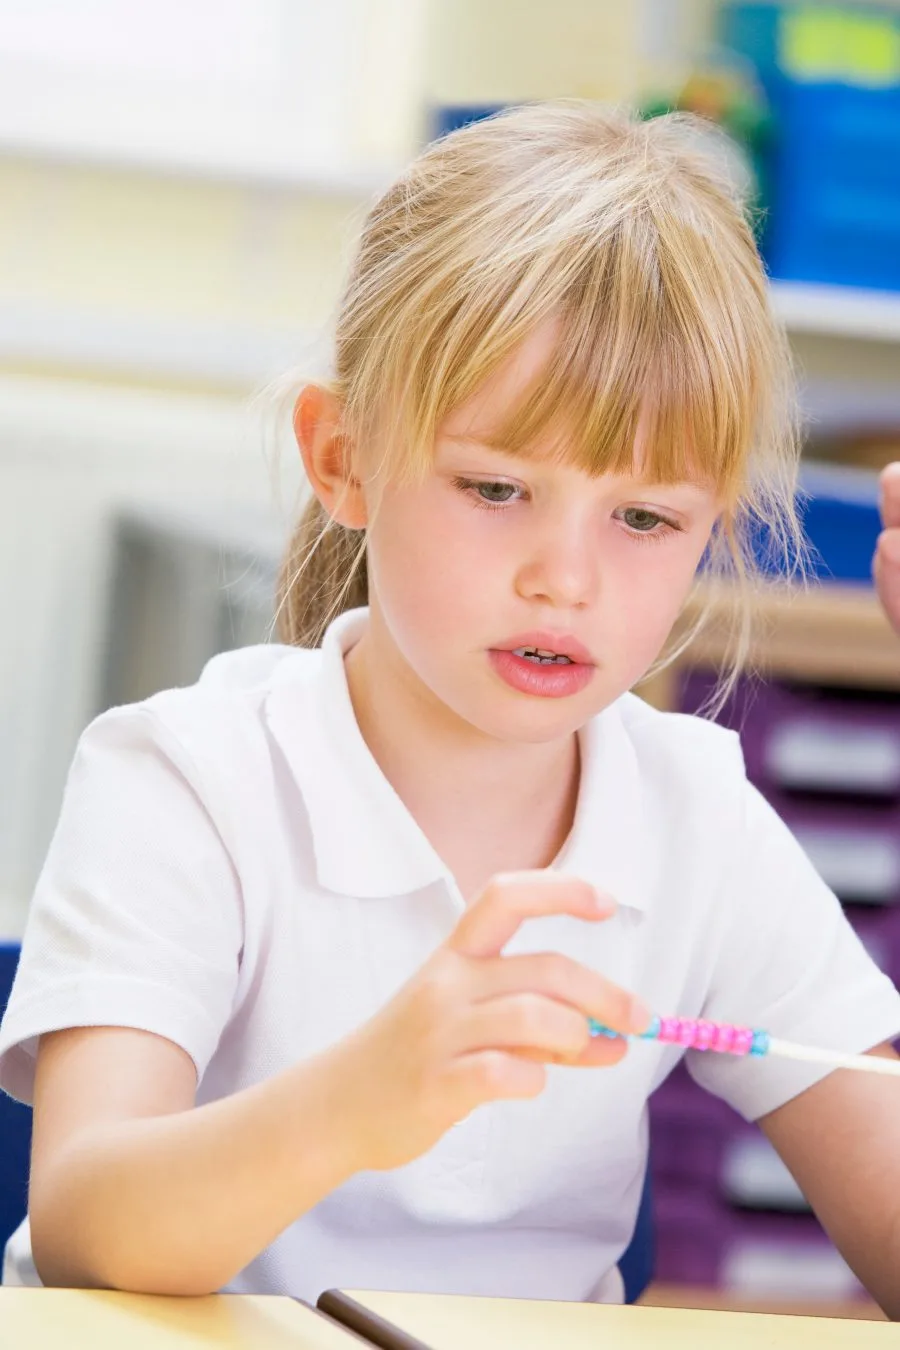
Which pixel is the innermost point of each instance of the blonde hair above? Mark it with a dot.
(629, 237)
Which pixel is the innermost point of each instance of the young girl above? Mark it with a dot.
(305, 990)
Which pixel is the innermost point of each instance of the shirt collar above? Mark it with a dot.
(366, 842)
(611, 843)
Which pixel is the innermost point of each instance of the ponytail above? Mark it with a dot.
(323, 574)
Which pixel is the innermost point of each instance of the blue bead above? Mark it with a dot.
(760, 1043)
(652, 1031)
(598, 1029)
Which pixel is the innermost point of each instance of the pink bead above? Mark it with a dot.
(723, 1037)
(687, 1031)
(743, 1039)
(701, 1035)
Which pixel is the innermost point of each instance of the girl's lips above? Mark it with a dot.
(561, 644)
(549, 680)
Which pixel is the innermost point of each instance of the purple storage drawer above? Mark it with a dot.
(690, 1131)
(879, 932)
(689, 1230)
(728, 1215)
(701, 1144)
(854, 847)
(810, 740)
(751, 1255)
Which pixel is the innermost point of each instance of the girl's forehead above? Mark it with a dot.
(624, 429)
(502, 391)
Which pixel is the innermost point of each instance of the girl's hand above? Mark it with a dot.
(474, 1026)
(886, 563)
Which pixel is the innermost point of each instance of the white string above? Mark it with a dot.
(812, 1055)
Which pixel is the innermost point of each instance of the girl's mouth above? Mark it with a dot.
(541, 657)
(540, 672)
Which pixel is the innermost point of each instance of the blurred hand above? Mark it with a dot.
(886, 563)
(474, 1026)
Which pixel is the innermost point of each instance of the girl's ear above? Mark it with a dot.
(326, 456)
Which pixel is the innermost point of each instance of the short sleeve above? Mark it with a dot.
(136, 920)
(787, 961)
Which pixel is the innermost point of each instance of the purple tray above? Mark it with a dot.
(806, 739)
(854, 847)
(701, 1242)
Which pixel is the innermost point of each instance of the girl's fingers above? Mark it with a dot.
(601, 1053)
(559, 977)
(889, 484)
(886, 571)
(537, 1029)
(507, 901)
(887, 548)
(525, 1022)
(494, 1075)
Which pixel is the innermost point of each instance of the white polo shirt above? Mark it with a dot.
(232, 871)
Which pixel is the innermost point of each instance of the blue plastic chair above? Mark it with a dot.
(637, 1262)
(15, 1126)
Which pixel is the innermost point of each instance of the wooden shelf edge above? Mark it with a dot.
(827, 634)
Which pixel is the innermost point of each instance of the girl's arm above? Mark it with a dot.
(841, 1140)
(133, 1188)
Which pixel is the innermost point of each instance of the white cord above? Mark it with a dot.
(812, 1055)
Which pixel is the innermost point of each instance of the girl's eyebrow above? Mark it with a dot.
(470, 438)
(687, 485)
(464, 440)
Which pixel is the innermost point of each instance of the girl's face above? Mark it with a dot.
(494, 560)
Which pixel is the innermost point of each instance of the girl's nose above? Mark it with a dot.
(561, 567)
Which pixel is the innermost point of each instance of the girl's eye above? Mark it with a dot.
(646, 522)
(488, 493)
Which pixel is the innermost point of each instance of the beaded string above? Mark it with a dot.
(725, 1039)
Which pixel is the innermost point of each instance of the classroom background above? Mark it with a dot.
(180, 188)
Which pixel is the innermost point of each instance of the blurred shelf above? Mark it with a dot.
(828, 634)
(230, 356)
(354, 181)
(838, 311)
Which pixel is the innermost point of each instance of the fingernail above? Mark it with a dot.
(640, 1017)
(603, 903)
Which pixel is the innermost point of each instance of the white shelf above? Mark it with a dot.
(230, 356)
(838, 311)
(357, 182)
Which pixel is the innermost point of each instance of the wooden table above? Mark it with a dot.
(658, 1295)
(87, 1319)
(442, 1322)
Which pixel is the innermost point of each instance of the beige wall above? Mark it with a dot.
(159, 254)
(84, 249)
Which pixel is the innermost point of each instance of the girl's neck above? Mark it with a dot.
(485, 805)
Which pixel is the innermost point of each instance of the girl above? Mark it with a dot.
(304, 994)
